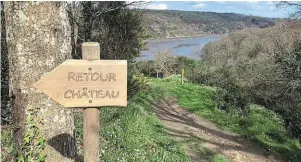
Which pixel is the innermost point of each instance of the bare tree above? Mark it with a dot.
(164, 62)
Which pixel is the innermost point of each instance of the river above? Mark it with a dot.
(190, 47)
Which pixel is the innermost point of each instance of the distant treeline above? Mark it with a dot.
(173, 23)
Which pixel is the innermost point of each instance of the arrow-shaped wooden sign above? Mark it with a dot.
(83, 83)
(90, 84)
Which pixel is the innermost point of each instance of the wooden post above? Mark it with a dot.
(69, 83)
(91, 51)
(182, 76)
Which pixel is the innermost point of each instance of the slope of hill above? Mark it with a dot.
(172, 23)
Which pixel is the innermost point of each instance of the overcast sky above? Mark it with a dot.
(258, 8)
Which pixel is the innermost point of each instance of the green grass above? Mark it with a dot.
(7, 150)
(127, 134)
(257, 123)
(219, 158)
(135, 133)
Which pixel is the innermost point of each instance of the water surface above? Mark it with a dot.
(189, 47)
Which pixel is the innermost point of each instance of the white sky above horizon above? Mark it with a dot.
(257, 8)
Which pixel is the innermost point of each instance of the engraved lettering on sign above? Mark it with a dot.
(79, 76)
(92, 94)
(72, 76)
(87, 93)
(69, 91)
(112, 76)
(95, 76)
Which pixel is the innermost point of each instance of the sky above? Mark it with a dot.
(258, 8)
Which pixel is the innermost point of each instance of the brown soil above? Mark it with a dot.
(190, 129)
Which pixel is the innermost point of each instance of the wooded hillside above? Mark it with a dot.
(172, 23)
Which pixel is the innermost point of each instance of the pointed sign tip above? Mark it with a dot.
(36, 85)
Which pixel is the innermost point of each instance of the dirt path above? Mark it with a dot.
(192, 130)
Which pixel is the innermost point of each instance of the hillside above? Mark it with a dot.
(172, 23)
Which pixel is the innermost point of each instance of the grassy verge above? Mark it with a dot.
(134, 133)
(257, 123)
(7, 150)
(127, 134)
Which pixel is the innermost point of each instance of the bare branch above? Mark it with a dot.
(288, 3)
(121, 6)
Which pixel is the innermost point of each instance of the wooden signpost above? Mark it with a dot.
(89, 83)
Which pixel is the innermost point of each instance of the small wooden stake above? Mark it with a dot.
(91, 51)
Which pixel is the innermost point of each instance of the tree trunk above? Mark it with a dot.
(5, 106)
(39, 39)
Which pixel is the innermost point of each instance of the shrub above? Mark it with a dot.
(260, 66)
(136, 84)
